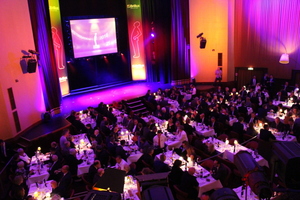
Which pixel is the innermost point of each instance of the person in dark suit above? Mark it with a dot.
(200, 145)
(53, 170)
(238, 127)
(146, 160)
(160, 166)
(242, 110)
(73, 162)
(215, 125)
(102, 155)
(120, 150)
(219, 172)
(278, 125)
(104, 128)
(266, 135)
(111, 147)
(293, 128)
(203, 119)
(176, 173)
(64, 184)
(93, 170)
(98, 136)
(124, 120)
(233, 111)
(189, 183)
(251, 130)
(252, 118)
(98, 118)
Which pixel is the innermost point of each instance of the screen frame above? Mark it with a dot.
(68, 35)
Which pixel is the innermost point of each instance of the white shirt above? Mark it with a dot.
(181, 136)
(163, 139)
(123, 165)
(25, 158)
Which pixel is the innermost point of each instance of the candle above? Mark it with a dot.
(226, 142)
(81, 141)
(39, 148)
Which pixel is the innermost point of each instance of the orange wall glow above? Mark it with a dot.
(211, 18)
(26, 87)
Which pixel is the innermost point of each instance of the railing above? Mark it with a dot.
(3, 178)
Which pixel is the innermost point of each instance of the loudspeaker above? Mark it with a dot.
(31, 65)
(202, 43)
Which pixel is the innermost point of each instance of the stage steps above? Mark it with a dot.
(137, 105)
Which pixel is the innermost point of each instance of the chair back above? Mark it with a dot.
(208, 164)
(252, 145)
(223, 137)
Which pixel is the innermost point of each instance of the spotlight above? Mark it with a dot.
(33, 51)
(199, 35)
(152, 35)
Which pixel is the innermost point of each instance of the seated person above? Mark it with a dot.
(189, 183)
(159, 142)
(160, 165)
(93, 170)
(250, 130)
(146, 160)
(200, 145)
(176, 173)
(23, 156)
(219, 172)
(121, 164)
(98, 175)
(17, 191)
(64, 184)
(120, 150)
(277, 125)
(73, 162)
(266, 135)
(211, 149)
(54, 168)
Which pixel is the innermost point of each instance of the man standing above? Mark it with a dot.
(218, 74)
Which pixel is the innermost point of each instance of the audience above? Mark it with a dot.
(210, 109)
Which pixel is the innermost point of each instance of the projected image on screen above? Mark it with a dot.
(91, 37)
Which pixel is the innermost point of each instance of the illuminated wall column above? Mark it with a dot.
(58, 46)
(214, 19)
(136, 39)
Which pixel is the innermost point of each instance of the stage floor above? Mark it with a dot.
(81, 101)
(127, 91)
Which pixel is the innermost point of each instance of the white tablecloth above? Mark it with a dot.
(250, 195)
(83, 145)
(206, 183)
(40, 174)
(229, 151)
(40, 192)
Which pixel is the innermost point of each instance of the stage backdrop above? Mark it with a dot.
(136, 39)
(58, 45)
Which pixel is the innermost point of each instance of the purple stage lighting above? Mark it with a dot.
(152, 35)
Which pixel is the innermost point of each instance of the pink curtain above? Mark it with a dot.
(263, 31)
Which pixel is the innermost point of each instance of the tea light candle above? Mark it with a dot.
(226, 142)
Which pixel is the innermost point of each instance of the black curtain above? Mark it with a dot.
(167, 53)
(40, 20)
(180, 37)
(156, 19)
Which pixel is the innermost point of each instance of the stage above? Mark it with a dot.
(81, 101)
